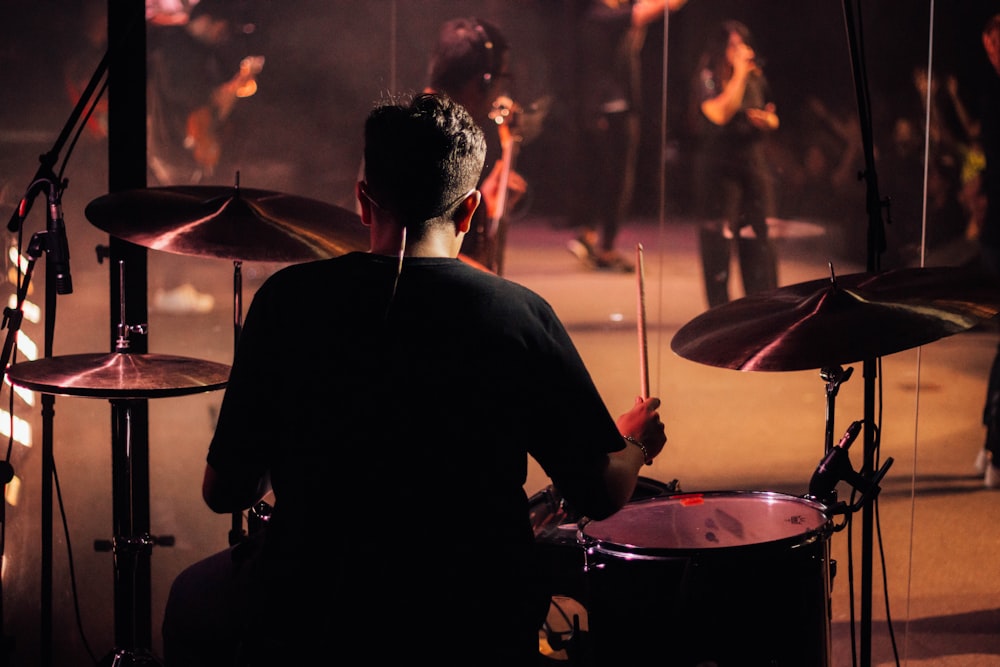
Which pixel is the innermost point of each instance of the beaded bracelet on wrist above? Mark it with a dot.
(638, 443)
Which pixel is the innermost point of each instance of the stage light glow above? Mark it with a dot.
(12, 494)
(32, 312)
(22, 429)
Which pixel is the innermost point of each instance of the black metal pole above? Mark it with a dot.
(876, 246)
(127, 169)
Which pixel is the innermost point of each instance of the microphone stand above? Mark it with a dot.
(46, 175)
(876, 245)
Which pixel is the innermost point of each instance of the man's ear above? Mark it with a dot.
(466, 209)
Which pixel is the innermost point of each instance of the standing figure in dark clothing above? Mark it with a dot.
(988, 461)
(470, 64)
(423, 370)
(196, 76)
(608, 47)
(731, 114)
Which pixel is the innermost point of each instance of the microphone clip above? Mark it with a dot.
(836, 467)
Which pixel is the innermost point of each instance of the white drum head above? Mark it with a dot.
(699, 521)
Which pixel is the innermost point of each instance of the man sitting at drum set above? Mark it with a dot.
(419, 369)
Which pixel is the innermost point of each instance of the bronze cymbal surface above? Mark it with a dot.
(229, 223)
(839, 320)
(119, 375)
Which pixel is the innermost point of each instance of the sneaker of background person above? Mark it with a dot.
(992, 478)
(982, 460)
(583, 250)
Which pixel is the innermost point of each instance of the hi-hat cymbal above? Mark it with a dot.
(119, 375)
(229, 223)
(842, 320)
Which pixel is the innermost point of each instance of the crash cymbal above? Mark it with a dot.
(119, 375)
(229, 223)
(838, 320)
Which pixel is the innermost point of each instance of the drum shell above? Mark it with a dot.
(673, 595)
(555, 527)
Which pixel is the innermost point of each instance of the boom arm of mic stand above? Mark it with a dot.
(48, 160)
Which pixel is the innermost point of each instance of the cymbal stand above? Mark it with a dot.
(132, 544)
(876, 244)
(236, 533)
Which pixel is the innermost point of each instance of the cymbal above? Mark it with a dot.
(119, 375)
(229, 223)
(839, 320)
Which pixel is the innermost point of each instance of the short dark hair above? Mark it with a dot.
(421, 157)
(467, 49)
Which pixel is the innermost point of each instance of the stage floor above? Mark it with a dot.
(730, 432)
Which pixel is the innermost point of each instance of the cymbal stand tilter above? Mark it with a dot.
(834, 377)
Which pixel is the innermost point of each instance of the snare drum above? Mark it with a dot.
(721, 578)
(555, 526)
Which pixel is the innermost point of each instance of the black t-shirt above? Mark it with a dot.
(396, 430)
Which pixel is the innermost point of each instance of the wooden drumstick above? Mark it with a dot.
(641, 323)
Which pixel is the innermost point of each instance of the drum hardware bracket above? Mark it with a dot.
(867, 487)
(122, 343)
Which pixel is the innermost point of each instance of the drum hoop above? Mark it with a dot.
(804, 539)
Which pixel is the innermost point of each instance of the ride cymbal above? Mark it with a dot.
(119, 375)
(840, 320)
(229, 223)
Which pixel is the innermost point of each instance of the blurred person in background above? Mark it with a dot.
(197, 71)
(988, 460)
(470, 62)
(731, 114)
(609, 85)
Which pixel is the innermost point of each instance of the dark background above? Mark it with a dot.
(327, 62)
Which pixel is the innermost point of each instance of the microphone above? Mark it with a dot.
(57, 245)
(835, 465)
